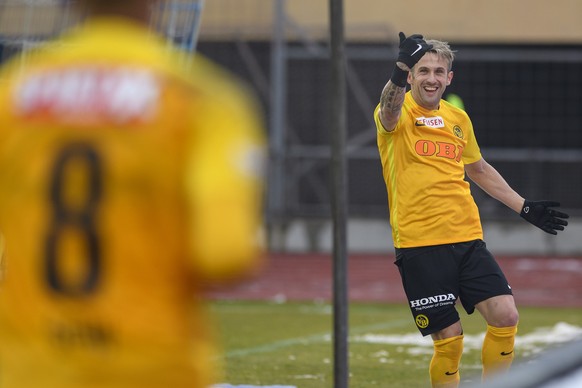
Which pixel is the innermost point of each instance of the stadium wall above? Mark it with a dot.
(492, 21)
(373, 236)
(499, 21)
(525, 109)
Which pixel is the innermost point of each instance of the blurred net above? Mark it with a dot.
(179, 21)
(26, 23)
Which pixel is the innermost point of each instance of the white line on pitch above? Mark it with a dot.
(310, 340)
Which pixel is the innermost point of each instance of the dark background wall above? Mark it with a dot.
(525, 102)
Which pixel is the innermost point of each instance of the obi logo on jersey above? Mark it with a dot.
(440, 149)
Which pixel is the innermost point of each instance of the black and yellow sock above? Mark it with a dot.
(497, 352)
(444, 366)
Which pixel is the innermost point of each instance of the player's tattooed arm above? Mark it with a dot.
(391, 101)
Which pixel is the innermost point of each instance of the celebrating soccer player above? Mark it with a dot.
(427, 145)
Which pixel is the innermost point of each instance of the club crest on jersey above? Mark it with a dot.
(433, 122)
(458, 132)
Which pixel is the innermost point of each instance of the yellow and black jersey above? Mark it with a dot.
(423, 162)
(128, 181)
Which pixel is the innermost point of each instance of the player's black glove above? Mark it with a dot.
(539, 214)
(411, 50)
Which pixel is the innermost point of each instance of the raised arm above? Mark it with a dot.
(538, 213)
(391, 101)
(411, 49)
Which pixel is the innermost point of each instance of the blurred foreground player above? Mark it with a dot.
(127, 184)
(427, 145)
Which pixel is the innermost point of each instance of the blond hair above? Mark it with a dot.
(442, 50)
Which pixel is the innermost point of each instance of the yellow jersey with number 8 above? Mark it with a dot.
(129, 180)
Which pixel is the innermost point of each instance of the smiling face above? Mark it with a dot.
(428, 80)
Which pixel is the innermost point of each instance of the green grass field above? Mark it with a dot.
(266, 343)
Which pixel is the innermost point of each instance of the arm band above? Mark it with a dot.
(399, 77)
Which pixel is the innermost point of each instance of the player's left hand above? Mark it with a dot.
(539, 214)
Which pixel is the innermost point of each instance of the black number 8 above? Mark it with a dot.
(65, 216)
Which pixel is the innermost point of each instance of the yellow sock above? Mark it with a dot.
(497, 353)
(444, 366)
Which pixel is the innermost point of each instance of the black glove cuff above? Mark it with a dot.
(399, 77)
(526, 208)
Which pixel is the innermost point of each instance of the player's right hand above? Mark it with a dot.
(412, 48)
